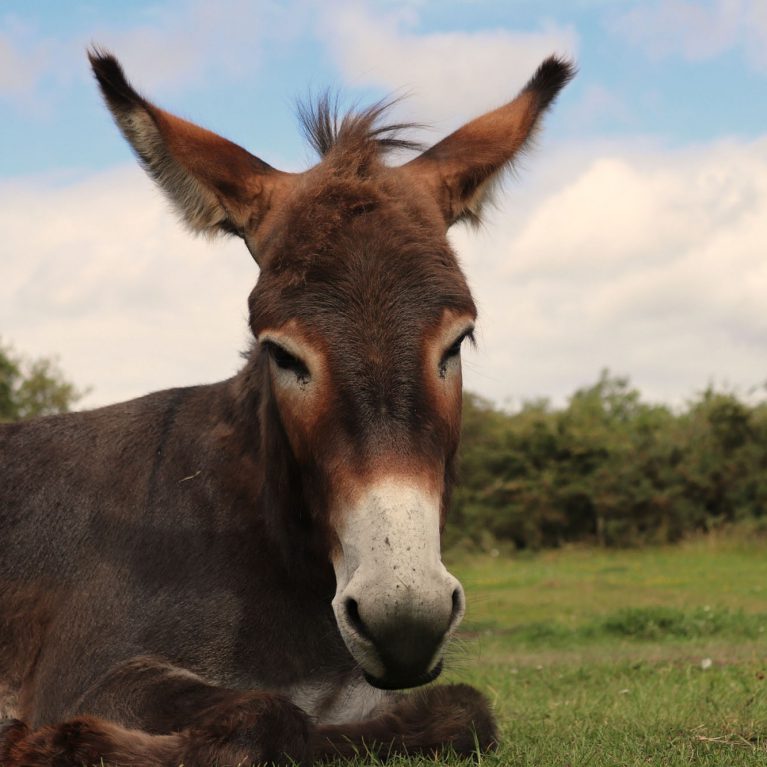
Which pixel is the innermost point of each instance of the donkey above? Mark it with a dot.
(250, 571)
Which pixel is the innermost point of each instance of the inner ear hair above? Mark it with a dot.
(214, 184)
(463, 169)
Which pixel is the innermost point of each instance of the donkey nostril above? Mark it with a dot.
(457, 605)
(353, 614)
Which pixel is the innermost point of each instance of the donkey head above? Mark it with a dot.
(360, 311)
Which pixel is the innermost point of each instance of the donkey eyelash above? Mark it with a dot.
(287, 361)
(455, 347)
(454, 350)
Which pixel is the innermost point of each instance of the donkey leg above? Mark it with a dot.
(250, 728)
(219, 725)
(148, 712)
(456, 717)
(85, 741)
(253, 730)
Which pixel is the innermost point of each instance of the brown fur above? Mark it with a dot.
(438, 719)
(166, 577)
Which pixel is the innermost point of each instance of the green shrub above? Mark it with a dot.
(609, 468)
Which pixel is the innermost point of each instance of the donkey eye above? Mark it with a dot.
(287, 361)
(453, 351)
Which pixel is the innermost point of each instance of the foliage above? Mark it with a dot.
(30, 388)
(608, 468)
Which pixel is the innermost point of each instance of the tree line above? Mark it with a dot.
(608, 468)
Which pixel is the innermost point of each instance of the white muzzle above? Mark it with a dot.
(395, 601)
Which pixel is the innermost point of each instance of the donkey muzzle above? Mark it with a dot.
(396, 603)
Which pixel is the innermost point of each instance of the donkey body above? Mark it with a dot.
(249, 572)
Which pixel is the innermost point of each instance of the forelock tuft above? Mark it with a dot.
(328, 130)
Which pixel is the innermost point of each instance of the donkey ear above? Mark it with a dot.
(215, 185)
(461, 168)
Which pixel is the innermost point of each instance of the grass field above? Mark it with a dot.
(647, 657)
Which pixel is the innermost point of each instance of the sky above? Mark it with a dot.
(633, 237)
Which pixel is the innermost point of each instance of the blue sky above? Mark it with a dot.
(635, 221)
(59, 123)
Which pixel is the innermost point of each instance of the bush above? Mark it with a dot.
(609, 468)
(30, 388)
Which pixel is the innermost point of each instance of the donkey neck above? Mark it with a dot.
(276, 489)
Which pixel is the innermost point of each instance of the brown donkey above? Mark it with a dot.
(247, 572)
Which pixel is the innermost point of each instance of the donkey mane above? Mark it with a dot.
(354, 132)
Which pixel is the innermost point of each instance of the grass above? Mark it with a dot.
(645, 657)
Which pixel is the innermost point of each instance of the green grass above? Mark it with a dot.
(606, 658)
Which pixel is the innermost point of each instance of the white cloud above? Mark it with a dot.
(756, 34)
(649, 262)
(449, 73)
(99, 273)
(18, 71)
(185, 41)
(697, 30)
(26, 60)
(175, 44)
(646, 260)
